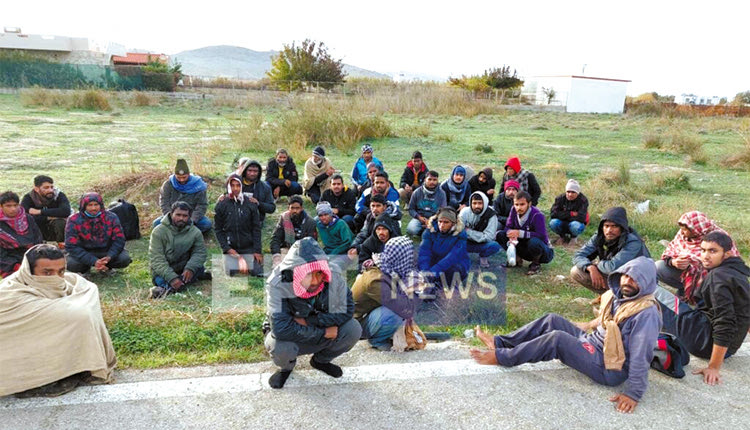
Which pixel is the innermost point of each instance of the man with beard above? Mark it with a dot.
(293, 225)
(619, 348)
(503, 205)
(238, 226)
(615, 244)
(526, 179)
(94, 238)
(527, 227)
(456, 189)
(385, 229)
(425, 203)
(281, 175)
(342, 200)
(481, 227)
(177, 254)
(443, 248)
(378, 206)
(50, 208)
(256, 191)
(381, 186)
(413, 176)
(333, 232)
(184, 187)
(359, 172)
(483, 182)
(318, 172)
(18, 233)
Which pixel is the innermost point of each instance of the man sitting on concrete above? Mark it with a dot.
(525, 179)
(570, 212)
(184, 187)
(425, 203)
(615, 244)
(483, 182)
(384, 293)
(343, 200)
(18, 233)
(176, 253)
(480, 222)
(443, 249)
(527, 229)
(238, 227)
(680, 265)
(716, 326)
(293, 225)
(413, 176)
(318, 172)
(51, 329)
(619, 349)
(309, 310)
(332, 232)
(359, 172)
(282, 176)
(50, 208)
(94, 238)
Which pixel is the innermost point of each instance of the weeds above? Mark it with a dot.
(678, 142)
(89, 99)
(484, 148)
(143, 99)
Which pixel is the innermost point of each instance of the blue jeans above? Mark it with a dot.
(573, 228)
(379, 326)
(414, 228)
(161, 282)
(203, 224)
(484, 249)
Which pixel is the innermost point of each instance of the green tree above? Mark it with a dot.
(742, 98)
(298, 66)
(499, 78)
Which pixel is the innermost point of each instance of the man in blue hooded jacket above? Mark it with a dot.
(627, 328)
(443, 248)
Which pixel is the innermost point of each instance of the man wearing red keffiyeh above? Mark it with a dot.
(680, 265)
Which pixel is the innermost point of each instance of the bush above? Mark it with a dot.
(485, 148)
(670, 182)
(91, 100)
(678, 142)
(143, 99)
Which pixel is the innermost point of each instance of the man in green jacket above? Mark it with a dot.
(332, 231)
(176, 252)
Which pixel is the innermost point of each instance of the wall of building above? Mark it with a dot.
(596, 96)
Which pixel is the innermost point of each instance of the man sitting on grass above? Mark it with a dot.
(716, 326)
(282, 176)
(177, 254)
(51, 329)
(425, 203)
(343, 200)
(184, 187)
(619, 349)
(18, 233)
(527, 228)
(333, 232)
(50, 208)
(293, 225)
(238, 226)
(481, 227)
(309, 311)
(569, 212)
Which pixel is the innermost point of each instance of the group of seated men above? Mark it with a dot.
(310, 308)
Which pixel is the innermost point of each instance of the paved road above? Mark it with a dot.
(436, 388)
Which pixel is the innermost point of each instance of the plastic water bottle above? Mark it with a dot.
(511, 252)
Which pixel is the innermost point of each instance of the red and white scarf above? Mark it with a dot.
(301, 271)
(19, 224)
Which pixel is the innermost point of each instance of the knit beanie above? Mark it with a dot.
(512, 184)
(319, 151)
(573, 185)
(324, 208)
(366, 148)
(181, 168)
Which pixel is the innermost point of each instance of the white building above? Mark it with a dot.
(692, 99)
(580, 94)
(62, 49)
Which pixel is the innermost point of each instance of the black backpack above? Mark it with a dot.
(128, 215)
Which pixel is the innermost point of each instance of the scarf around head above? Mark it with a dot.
(50, 287)
(194, 184)
(397, 260)
(681, 246)
(19, 224)
(614, 350)
(302, 270)
(235, 177)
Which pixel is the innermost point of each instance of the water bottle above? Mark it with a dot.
(511, 252)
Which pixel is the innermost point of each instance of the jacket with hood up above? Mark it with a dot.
(85, 234)
(482, 227)
(368, 226)
(333, 306)
(259, 189)
(525, 178)
(475, 185)
(440, 252)
(639, 332)
(237, 223)
(611, 255)
(173, 250)
(373, 245)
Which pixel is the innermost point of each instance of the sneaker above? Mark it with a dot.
(484, 262)
(534, 268)
(158, 292)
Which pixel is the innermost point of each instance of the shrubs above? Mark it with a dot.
(88, 100)
(485, 148)
(143, 99)
(678, 142)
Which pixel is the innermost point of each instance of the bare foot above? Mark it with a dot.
(486, 338)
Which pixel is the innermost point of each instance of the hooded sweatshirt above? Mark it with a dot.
(259, 189)
(482, 227)
(331, 306)
(237, 222)
(372, 243)
(611, 255)
(456, 194)
(193, 193)
(85, 234)
(440, 251)
(639, 332)
(475, 185)
(525, 178)
(173, 250)
(724, 297)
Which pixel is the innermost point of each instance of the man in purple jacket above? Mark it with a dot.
(526, 225)
(630, 313)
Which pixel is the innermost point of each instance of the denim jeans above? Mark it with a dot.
(573, 228)
(379, 326)
(203, 224)
(485, 249)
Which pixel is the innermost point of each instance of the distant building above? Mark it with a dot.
(61, 49)
(692, 99)
(138, 59)
(580, 94)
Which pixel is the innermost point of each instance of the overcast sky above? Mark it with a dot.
(671, 47)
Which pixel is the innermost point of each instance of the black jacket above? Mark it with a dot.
(562, 207)
(502, 208)
(289, 172)
(237, 226)
(57, 208)
(344, 203)
(407, 178)
(304, 228)
(372, 244)
(724, 298)
(260, 190)
(474, 184)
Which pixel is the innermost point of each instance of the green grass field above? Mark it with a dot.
(130, 150)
